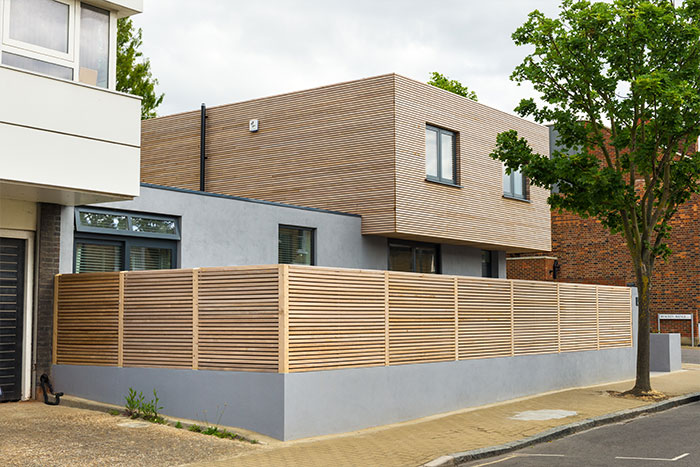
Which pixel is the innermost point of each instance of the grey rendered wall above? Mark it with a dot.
(246, 399)
(337, 401)
(227, 232)
(219, 231)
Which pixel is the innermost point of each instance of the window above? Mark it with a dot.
(296, 245)
(514, 184)
(108, 240)
(94, 45)
(38, 66)
(489, 263)
(413, 257)
(41, 23)
(440, 160)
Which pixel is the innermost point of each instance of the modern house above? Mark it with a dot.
(584, 251)
(324, 261)
(66, 138)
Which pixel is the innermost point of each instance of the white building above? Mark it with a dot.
(66, 138)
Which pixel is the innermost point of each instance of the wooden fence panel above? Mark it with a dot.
(484, 318)
(336, 318)
(421, 318)
(535, 317)
(87, 330)
(614, 317)
(158, 318)
(578, 317)
(238, 319)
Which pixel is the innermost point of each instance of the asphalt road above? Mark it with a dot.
(669, 438)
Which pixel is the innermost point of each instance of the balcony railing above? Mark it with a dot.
(286, 318)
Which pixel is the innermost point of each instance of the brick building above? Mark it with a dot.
(583, 251)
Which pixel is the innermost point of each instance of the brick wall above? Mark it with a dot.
(49, 233)
(534, 268)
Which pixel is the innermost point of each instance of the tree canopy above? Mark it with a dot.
(134, 75)
(621, 80)
(443, 82)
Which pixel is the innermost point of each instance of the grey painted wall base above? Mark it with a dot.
(664, 352)
(299, 405)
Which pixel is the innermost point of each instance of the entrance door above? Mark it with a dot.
(11, 317)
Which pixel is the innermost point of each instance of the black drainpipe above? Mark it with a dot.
(202, 140)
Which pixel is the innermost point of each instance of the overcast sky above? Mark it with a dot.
(223, 51)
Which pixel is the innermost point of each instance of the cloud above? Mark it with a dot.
(219, 52)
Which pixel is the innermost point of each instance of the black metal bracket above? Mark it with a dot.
(48, 389)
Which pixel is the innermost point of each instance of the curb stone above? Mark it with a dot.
(460, 458)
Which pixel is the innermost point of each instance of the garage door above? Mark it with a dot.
(11, 317)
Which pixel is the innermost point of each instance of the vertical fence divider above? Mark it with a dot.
(456, 292)
(54, 348)
(597, 319)
(283, 320)
(558, 321)
(120, 321)
(512, 322)
(195, 318)
(386, 318)
(632, 319)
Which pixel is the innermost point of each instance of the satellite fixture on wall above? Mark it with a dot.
(253, 125)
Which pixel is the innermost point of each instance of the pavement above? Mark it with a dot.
(34, 434)
(670, 436)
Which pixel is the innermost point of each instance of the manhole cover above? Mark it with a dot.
(133, 424)
(543, 414)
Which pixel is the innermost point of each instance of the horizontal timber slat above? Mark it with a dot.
(332, 318)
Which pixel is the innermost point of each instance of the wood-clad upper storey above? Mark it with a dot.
(359, 147)
(476, 213)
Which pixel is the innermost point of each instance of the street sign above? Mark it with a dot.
(680, 316)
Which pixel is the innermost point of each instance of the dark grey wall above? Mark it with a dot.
(254, 401)
(220, 231)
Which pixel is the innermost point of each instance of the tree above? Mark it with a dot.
(621, 79)
(134, 77)
(443, 82)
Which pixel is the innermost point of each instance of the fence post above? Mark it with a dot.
(120, 321)
(597, 319)
(512, 322)
(386, 318)
(283, 323)
(195, 318)
(54, 348)
(558, 321)
(456, 293)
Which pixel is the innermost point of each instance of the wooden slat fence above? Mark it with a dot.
(285, 318)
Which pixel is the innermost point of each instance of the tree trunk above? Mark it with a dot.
(643, 383)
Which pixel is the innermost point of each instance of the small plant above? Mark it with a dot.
(178, 425)
(150, 409)
(195, 428)
(134, 404)
(113, 412)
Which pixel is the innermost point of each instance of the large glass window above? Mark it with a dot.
(44, 23)
(413, 257)
(94, 45)
(109, 240)
(514, 184)
(296, 245)
(440, 160)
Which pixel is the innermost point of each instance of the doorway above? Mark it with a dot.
(12, 290)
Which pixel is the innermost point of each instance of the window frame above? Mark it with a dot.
(38, 52)
(130, 232)
(413, 245)
(127, 242)
(312, 253)
(455, 160)
(493, 264)
(71, 59)
(510, 193)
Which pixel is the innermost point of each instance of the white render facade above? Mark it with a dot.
(67, 137)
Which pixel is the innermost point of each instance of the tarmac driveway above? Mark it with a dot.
(35, 434)
(690, 354)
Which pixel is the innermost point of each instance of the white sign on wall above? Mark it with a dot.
(675, 316)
